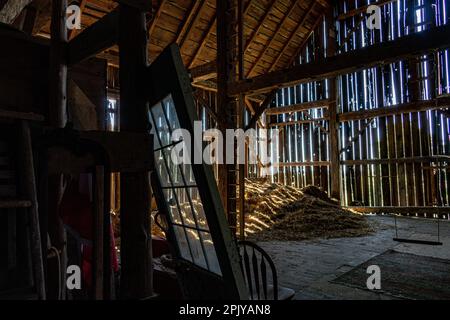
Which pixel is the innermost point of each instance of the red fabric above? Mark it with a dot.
(76, 210)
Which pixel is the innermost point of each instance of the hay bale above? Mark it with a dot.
(278, 212)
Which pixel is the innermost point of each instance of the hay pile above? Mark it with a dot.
(278, 212)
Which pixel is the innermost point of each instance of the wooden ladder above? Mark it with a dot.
(23, 274)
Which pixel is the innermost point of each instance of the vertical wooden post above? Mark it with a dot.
(136, 253)
(58, 64)
(57, 119)
(228, 106)
(332, 109)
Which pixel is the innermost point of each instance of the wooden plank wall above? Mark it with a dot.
(397, 160)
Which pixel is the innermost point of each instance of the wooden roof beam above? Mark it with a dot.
(187, 24)
(295, 33)
(96, 38)
(261, 24)
(261, 55)
(300, 48)
(417, 106)
(152, 23)
(204, 71)
(205, 37)
(211, 27)
(368, 57)
(299, 107)
(258, 112)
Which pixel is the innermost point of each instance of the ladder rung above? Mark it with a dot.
(12, 204)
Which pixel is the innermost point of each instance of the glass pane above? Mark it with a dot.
(169, 109)
(173, 207)
(160, 123)
(177, 172)
(210, 253)
(161, 168)
(185, 207)
(196, 248)
(182, 243)
(156, 143)
(198, 208)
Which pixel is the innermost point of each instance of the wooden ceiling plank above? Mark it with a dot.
(211, 28)
(203, 41)
(291, 9)
(187, 24)
(260, 25)
(293, 34)
(155, 18)
(305, 41)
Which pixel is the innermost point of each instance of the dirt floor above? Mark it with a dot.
(309, 267)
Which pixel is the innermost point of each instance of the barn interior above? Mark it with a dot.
(345, 172)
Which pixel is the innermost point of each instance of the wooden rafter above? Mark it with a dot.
(299, 107)
(294, 34)
(305, 41)
(206, 35)
(203, 42)
(261, 24)
(187, 24)
(269, 45)
(152, 23)
(368, 57)
(272, 93)
(264, 105)
(417, 106)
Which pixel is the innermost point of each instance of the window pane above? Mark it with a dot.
(161, 168)
(196, 248)
(185, 207)
(210, 253)
(160, 124)
(172, 204)
(182, 243)
(156, 143)
(169, 109)
(198, 208)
